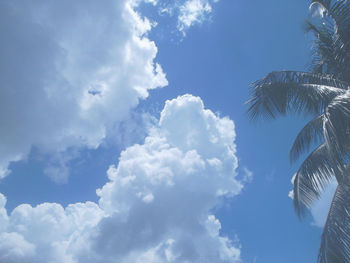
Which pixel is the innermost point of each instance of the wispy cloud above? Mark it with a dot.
(181, 15)
(193, 12)
(247, 175)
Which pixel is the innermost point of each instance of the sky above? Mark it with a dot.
(125, 136)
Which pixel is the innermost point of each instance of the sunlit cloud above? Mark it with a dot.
(156, 206)
(70, 74)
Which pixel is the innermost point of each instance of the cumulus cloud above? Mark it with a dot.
(156, 207)
(70, 72)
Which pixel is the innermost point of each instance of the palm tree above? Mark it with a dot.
(324, 94)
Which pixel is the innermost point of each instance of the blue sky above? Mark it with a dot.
(93, 97)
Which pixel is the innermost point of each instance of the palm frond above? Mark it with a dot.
(337, 130)
(311, 179)
(335, 244)
(311, 133)
(291, 91)
(325, 95)
(339, 11)
(327, 53)
(332, 44)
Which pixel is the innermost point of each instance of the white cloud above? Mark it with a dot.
(193, 12)
(291, 192)
(153, 2)
(155, 208)
(186, 14)
(14, 248)
(70, 73)
(248, 175)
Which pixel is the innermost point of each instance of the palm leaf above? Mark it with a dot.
(280, 92)
(339, 11)
(311, 133)
(332, 44)
(337, 131)
(327, 51)
(335, 244)
(311, 179)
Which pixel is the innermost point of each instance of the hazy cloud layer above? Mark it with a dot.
(70, 72)
(155, 208)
